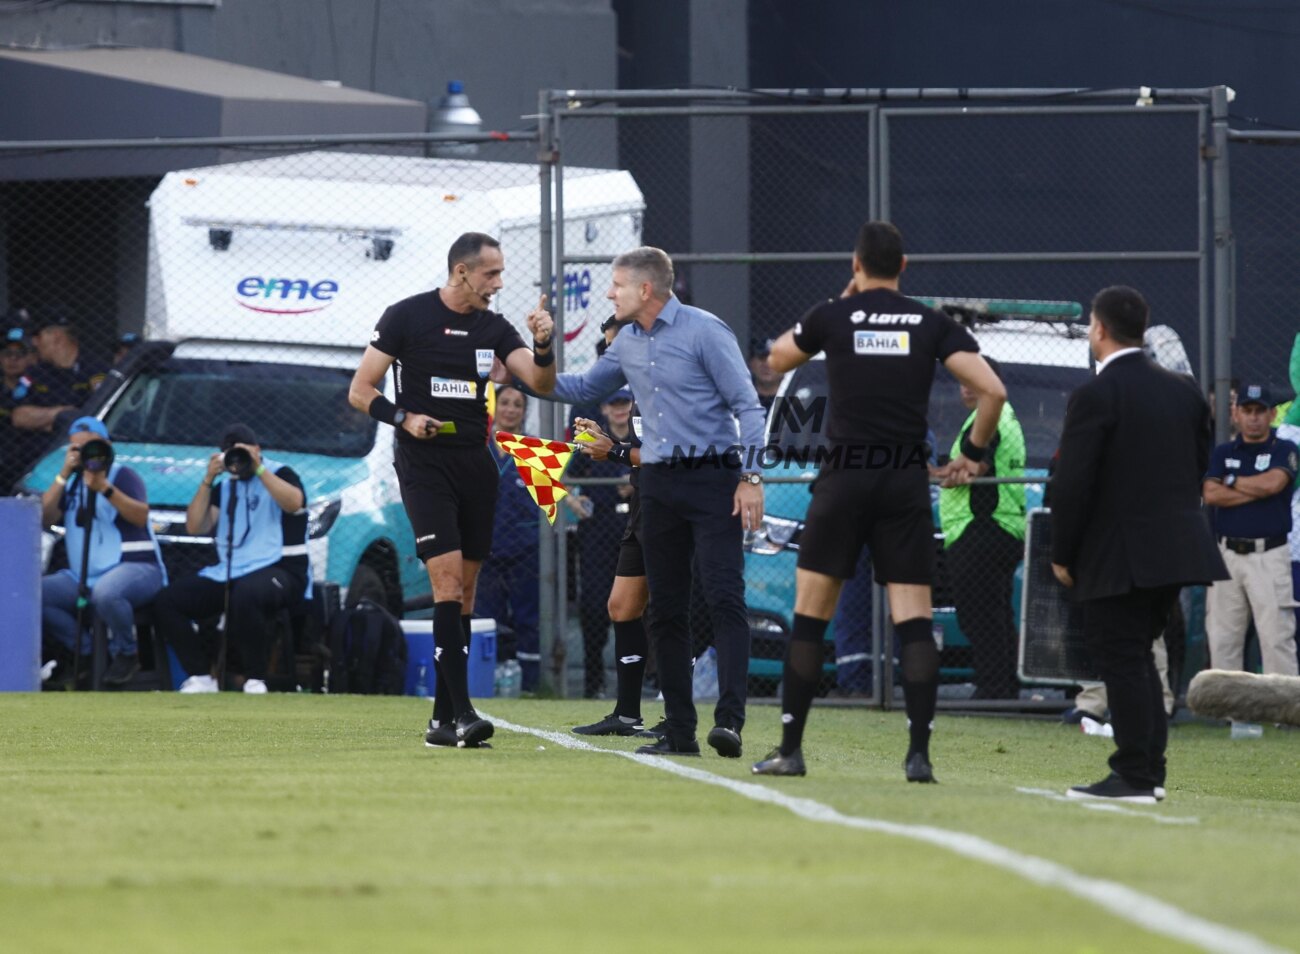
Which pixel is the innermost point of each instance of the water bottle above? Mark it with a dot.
(512, 679)
(422, 679)
(454, 114)
(705, 678)
(1247, 730)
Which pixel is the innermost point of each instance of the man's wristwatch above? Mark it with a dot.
(399, 416)
(108, 492)
(753, 477)
(1229, 480)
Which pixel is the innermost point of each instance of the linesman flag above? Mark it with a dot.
(540, 463)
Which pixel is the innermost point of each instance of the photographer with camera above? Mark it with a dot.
(114, 564)
(258, 519)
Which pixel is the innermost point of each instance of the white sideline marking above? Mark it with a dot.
(1107, 807)
(1147, 912)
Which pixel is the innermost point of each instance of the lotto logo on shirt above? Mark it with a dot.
(882, 342)
(447, 388)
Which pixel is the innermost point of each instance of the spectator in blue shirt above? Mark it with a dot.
(700, 482)
(104, 511)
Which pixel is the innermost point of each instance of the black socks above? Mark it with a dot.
(800, 676)
(919, 657)
(630, 647)
(451, 660)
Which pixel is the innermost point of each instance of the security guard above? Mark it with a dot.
(984, 537)
(881, 350)
(1249, 485)
(443, 344)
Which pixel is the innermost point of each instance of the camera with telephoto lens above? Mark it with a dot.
(96, 455)
(238, 463)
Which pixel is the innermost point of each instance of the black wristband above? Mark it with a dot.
(544, 360)
(542, 344)
(622, 453)
(383, 410)
(970, 451)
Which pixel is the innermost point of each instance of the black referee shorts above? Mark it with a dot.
(888, 510)
(450, 495)
(631, 559)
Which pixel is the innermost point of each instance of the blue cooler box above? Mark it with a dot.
(482, 657)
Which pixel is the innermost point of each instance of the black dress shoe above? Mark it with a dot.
(726, 742)
(121, 670)
(612, 724)
(1115, 789)
(656, 731)
(778, 764)
(918, 768)
(666, 746)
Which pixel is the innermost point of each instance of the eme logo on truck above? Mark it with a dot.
(285, 292)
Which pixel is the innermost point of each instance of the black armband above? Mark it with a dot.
(622, 453)
(383, 410)
(545, 359)
(970, 451)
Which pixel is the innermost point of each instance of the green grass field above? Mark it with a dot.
(155, 822)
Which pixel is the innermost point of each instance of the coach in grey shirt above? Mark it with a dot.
(702, 436)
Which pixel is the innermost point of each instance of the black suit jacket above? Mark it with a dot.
(1126, 495)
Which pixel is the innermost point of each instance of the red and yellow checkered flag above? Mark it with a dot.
(540, 463)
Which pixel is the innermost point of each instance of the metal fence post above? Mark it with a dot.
(1223, 290)
(547, 155)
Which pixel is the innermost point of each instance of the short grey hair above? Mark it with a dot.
(652, 265)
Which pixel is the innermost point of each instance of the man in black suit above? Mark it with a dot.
(1128, 529)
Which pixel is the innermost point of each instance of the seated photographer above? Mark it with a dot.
(258, 519)
(118, 559)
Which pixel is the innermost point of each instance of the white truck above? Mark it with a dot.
(266, 279)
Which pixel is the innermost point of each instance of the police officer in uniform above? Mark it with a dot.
(61, 381)
(443, 343)
(1249, 485)
(873, 489)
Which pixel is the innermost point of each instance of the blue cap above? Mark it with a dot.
(622, 394)
(15, 335)
(455, 86)
(92, 424)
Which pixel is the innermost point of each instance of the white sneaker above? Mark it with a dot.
(198, 684)
(255, 687)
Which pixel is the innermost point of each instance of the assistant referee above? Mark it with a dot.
(443, 343)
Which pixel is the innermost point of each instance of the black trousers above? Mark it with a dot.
(687, 510)
(599, 537)
(982, 568)
(254, 599)
(1119, 631)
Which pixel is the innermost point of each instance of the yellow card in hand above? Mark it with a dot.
(585, 437)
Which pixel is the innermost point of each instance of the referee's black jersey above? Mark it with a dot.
(443, 359)
(880, 353)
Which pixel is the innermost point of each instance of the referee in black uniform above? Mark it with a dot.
(881, 350)
(443, 343)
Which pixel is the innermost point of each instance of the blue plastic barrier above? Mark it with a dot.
(20, 594)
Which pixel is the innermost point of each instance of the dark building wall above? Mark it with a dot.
(1056, 184)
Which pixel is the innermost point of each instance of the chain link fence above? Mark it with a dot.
(1015, 197)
